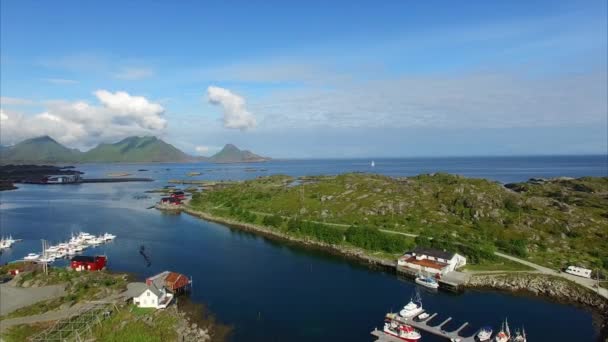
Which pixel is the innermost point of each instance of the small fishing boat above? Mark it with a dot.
(484, 334)
(32, 256)
(423, 316)
(402, 331)
(427, 281)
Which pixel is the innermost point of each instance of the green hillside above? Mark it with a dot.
(556, 223)
(41, 149)
(132, 150)
(232, 154)
(136, 149)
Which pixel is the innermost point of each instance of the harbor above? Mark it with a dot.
(413, 318)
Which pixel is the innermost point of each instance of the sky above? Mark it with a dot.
(310, 79)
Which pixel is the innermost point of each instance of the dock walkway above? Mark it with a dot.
(423, 325)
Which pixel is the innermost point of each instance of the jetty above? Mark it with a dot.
(423, 325)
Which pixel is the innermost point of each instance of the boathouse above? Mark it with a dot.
(172, 281)
(88, 263)
(178, 195)
(170, 200)
(432, 261)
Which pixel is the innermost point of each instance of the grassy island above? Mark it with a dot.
(553, 222)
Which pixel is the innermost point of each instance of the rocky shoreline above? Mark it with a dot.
(554, 288)
(351, 253)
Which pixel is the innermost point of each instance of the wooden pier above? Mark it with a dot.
(423, 325)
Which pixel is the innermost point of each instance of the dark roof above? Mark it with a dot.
(178, 193)
(437, 253)
(84, 258)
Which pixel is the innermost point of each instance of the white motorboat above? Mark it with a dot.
(426, 281)
(109, 237)
(423, 315)
(413, 308)
(32, 256)
(47, 260)
(52, 249)
(484, 334)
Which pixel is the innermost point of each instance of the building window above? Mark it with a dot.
(148, 293)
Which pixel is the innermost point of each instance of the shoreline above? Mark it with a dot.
(568, 293)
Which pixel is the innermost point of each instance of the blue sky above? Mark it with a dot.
(310, 79)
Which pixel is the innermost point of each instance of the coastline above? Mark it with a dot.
(522, 283)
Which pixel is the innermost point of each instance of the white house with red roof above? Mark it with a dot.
(432, 261)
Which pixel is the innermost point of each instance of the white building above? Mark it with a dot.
(153, 297)
(431, 261)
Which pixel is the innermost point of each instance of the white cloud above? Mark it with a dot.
(201, 149)
(236, 115)
(133, 74)
(80, 124)
(471, 100)
(14, 101)
(60, 81)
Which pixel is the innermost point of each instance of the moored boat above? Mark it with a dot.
(423, 316)
(427, 281)
(504, 335)
(402, 331)
(31, 256)
(520, 336)
(413, 308)
(485, 333)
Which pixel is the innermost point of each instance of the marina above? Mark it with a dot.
(75, 245)
(413, 318)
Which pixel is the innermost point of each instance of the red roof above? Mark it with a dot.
(425, 263)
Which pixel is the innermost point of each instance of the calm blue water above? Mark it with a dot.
(272, 291)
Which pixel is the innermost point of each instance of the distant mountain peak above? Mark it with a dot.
(41, 139)
(232, 154)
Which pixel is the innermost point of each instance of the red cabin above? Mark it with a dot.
(172, 281)
(170, 200)
(88, 263)
(178, 195)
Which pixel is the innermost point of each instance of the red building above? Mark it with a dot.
(172, 281)
(170, 200)
(88, 263)
(178, 194)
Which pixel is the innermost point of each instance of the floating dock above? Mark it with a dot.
(423, 325)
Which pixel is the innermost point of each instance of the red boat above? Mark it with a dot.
(402, 331)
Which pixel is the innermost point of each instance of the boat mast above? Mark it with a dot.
(507, 328)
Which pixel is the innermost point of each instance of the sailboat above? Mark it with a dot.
(504, 335)
(373, 164)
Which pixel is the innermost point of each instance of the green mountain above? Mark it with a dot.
(41, 149)
(232, 154)
(136, 149)
(131, 150)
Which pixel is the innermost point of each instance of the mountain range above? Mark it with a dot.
(129, 150)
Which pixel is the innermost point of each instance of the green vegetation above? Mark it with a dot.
(556, 223)
(130, 324)
(80, 286)
(497, 265)
(22, 332)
